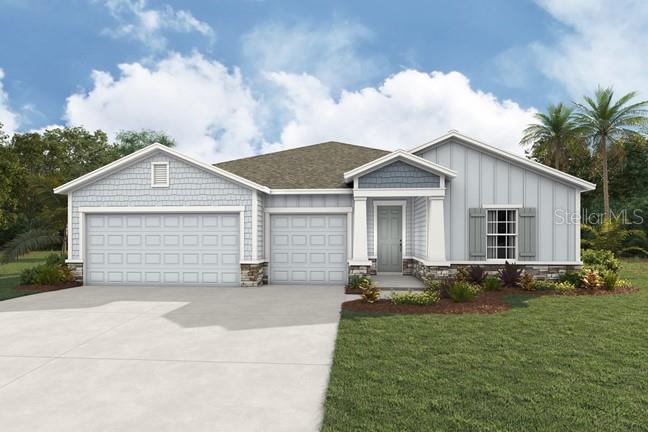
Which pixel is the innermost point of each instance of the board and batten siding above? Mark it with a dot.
(484, 179)
(188, 186)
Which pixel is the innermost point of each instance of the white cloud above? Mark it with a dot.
(409, 108)
(205, 107)
(147, 25)
(606, 43)
(8, 118)
(327, 51)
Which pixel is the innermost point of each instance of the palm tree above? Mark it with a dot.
(606, 123)
(552, 135)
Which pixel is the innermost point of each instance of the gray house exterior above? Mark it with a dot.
(317, 214)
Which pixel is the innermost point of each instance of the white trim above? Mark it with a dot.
(359, 262)
(427, 262)
(516, 235)
(339, 191)
(393, 203)
(435, 230)
(502, 206)
(266, 233)
(577, 227)
(585, 185)
(398, 192)
(167, 209)
(309, 210)
(140, 154)
(258, 261)
(360, 245)
(164, 209)
(74, 261)
(349, 235)
(255, 226)
(448, 263)
(399, 155)
(161, 185)
(69, 226)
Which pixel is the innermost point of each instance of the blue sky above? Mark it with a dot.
(232, 78)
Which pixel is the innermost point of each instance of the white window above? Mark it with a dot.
(501, 232)
(160, 174)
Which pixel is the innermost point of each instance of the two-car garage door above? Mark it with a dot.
(308, 248)
(192, 249)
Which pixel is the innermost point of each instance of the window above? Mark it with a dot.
(501, 234)
(160, 174)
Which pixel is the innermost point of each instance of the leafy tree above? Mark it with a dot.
(127, 142)
(615, 236)
(554, 137)
(606, 123)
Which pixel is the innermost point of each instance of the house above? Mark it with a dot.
(317, 214)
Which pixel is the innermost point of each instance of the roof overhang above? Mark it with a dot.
(527, 163)
(404, 156)
(143, 153)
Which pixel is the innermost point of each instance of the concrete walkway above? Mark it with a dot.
(167, 359)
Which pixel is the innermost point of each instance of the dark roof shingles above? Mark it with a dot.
(318, 166)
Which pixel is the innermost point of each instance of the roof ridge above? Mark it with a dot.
(300, 148)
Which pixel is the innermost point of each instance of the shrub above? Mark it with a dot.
(370, 292)
(425, 298)
(573, 278)
(356, 281)
(591, 279)
(28, 276)
(526, 282)
(432, 285)
(476, 274)
(563, 287)
(609, 280)
(510, 274)
(622, 283)
(461, 291)
(48, 275)
(545, 285)
(463, 274)
(600, 260)
(491, 283)
(55, 259)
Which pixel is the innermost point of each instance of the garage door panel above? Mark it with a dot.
(163, 249)
(308, 248)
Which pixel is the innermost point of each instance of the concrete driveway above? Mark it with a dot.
(167, 359)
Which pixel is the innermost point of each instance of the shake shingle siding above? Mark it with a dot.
(188, 186)
(399, 175)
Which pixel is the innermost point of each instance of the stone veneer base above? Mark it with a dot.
(539, 271)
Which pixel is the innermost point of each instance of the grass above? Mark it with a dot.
(10, 274)
(548, 364)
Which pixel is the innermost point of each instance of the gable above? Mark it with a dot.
(399, 174)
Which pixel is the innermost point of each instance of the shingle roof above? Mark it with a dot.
(318, 166)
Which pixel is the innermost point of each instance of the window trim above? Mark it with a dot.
(516, 212)
(159, 185)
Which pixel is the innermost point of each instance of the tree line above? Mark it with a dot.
(602, 139)
(32, 217)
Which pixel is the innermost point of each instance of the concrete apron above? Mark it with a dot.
(167, 359)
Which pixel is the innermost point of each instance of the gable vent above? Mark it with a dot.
(160, 174)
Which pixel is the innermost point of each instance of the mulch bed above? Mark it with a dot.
(488, 302)
(45, 288)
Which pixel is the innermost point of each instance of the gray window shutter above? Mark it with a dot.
(477, 234)
(527, 234)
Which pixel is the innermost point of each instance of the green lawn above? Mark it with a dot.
(548, 364)
(10, 274)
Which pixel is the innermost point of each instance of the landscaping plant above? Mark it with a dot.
(53, 272)
(609, 280)
(573, 278)
(591, 280)
(463, 274)
(370, 292)
(461, 291)
(564, 287)
(492, 283)
(425, 298)
(476, 274)
(526, 282)
(600, 260)
(510, 274)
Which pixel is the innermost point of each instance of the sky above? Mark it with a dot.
(230, 79)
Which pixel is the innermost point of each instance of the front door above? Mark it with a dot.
(390, 230)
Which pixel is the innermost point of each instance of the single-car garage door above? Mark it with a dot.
(194, 249)
(308, 248)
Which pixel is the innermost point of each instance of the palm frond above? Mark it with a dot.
(35, 239)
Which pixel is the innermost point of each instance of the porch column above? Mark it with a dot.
(435, 230)
(360, 254)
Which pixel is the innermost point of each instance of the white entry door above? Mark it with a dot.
(161, 249)
(308, 248)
